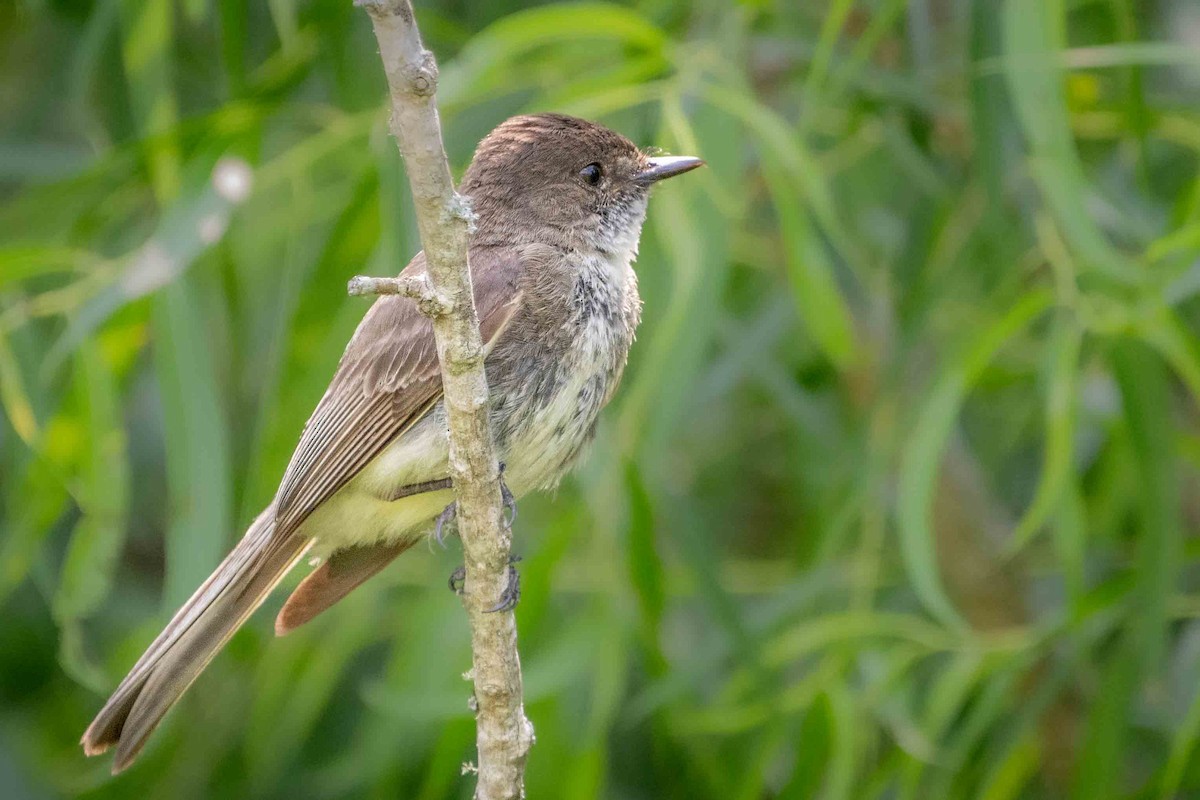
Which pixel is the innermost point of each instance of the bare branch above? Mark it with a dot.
(504, 735)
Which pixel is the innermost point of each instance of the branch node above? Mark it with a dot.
(491, 691)
(421, 78)
(387, 8)
(461, 208)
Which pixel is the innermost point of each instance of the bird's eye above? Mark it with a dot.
(591, 174)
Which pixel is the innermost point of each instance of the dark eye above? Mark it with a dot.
(591, 174)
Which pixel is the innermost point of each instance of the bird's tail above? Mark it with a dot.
(191, 639)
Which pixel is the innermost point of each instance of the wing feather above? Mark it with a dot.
(387, 380)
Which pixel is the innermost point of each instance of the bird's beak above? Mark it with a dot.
(667, 167)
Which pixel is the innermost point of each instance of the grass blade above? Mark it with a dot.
(922, 452)
(1033, 39)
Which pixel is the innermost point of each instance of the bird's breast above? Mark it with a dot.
(552, 394)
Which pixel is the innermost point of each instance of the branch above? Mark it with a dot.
(415, 287)
(503, 734)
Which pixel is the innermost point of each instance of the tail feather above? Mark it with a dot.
(185, 647)
(333, 580)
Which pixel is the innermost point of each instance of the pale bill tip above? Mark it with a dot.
(668, 167)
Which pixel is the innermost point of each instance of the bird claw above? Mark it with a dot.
(512, 590)
(448, 514)
(510, 595)
(509, 500)
(458, 579)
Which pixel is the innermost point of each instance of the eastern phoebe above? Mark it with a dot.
(560, 203)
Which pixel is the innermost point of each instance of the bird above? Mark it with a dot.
(559, 204)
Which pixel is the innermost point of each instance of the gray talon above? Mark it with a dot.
(509, 500)
(510, 503)
(512, 591)
(457, 579)
(448, 514)
(510, 595)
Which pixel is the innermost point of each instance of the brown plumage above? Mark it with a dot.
(334, 579)
(387, 380)
(560, 204)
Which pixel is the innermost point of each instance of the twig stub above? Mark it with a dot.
(415, 287)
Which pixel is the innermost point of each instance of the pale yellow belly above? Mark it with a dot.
(359, 514)
(539, 450)
(359, 518)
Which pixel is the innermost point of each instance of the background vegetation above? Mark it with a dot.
(897, 499)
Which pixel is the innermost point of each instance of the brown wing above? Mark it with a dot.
(388, 379)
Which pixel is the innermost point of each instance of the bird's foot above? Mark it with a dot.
(458, 579)
(510, 595)
(512, 589)
(447, 516)
(450, 512)
(509, 500)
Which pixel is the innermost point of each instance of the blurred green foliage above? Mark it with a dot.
(895, 501)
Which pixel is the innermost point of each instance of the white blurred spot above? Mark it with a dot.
(232, 178)
(212, 228)
(150, 269)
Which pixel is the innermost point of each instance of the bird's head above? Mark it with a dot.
(564, 181)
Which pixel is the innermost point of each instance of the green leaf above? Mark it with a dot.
(818, 299)
(14, 397)
(189, 228)
(35, 498)
(21, 262)
(1145, 392)
(782, 141)
(147, 30)
(922, 451)
(847, 743)
(688, 236)
(1009, 778)
(1183, 748)
(1033, 38)
(831, 29)
(849, 629)
(1176, 344)
(1070, 541)
(949, 693)
(1062, 363)
(1099, 763)
(788, 165)
(816, 741)
(485, 65)
(103, 494)
(644, 564)
(198, 469)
